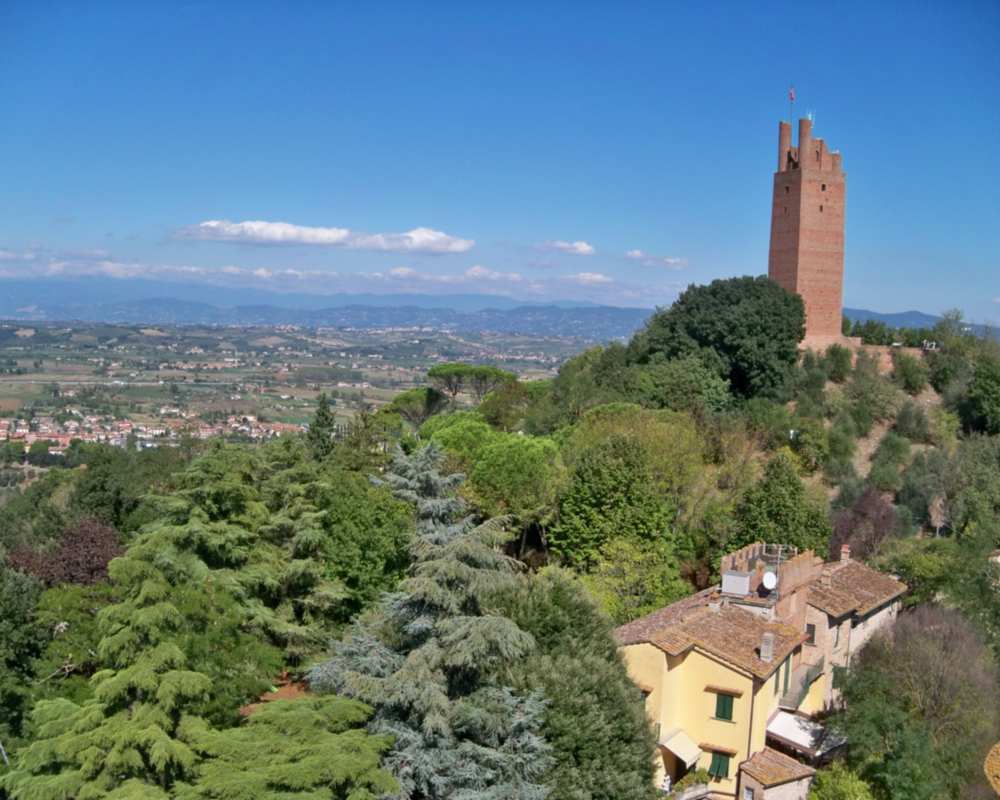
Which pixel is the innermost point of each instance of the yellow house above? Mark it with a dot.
(730, 668)
(712, 675)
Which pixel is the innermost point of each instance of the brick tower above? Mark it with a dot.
(807, 230)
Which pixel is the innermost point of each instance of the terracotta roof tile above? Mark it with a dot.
(771, 768)
(852, 587)
(727, 632)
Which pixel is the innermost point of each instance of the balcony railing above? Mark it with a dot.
(798, 686)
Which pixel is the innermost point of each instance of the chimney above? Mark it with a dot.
(845, 552)
(767, 647)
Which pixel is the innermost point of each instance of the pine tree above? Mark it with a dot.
(310, 747)
(126, 741)
(321, 429)
(428, 660)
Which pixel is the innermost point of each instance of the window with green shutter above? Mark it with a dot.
(719, 768)
(724, 706)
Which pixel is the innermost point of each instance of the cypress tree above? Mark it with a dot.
(321, 428)
(429, 658)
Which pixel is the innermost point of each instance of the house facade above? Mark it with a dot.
(733, 675)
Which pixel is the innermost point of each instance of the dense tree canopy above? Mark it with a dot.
(429, 661)
(915, 718)
(746, 328)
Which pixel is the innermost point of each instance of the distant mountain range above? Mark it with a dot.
(180, 304)
(163, 303)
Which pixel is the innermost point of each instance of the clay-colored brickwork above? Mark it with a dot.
(807, 229)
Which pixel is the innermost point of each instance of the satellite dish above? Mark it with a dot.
(770, 581)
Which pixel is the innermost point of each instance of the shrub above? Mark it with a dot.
(81, 557)
(770, 420)
(893, 449)
(869, 521)
(912, 423)
(909, 372)
(838, 363)
(981, 409)
(885, 477)
(810, 443)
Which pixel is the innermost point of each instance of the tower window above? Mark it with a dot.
(789, 188)
(823, 187)
(821, 209)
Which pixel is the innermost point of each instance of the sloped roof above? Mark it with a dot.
(727, 632)
(771, 768)
(846, 587)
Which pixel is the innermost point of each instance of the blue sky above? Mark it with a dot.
(515, 148)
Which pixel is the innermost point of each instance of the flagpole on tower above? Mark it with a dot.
(791, 102)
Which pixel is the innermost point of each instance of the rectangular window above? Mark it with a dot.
(810, 634)
(724, 706)
(747, 793)
(719, 768)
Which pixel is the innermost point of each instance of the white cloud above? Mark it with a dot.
(579, 248)
(589, 278)
(403, 272)
(418, 240)
(670, 262)
(479, 272)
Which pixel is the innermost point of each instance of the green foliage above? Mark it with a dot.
(747, 328)
(418, 405)
(892, 453)
(810, 443)
(321, 428)
(672, 447)
(872, 397)
(926, 566)
(915, 717)
(519, 475)
(595, 720)
(841, 443)
(68, 614)
(777, 509)
(22, 638)
(506, 406)
(463, 435)
(912, 423)
(909, 372)
(112, 486)
(430, 659)
(837, 782)
(681, 384)
(633, 577)
(312, 747)
(478, 379)
(838, 363)
(771, 421)
(128, 736)
(981, 409)
(611, 494)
